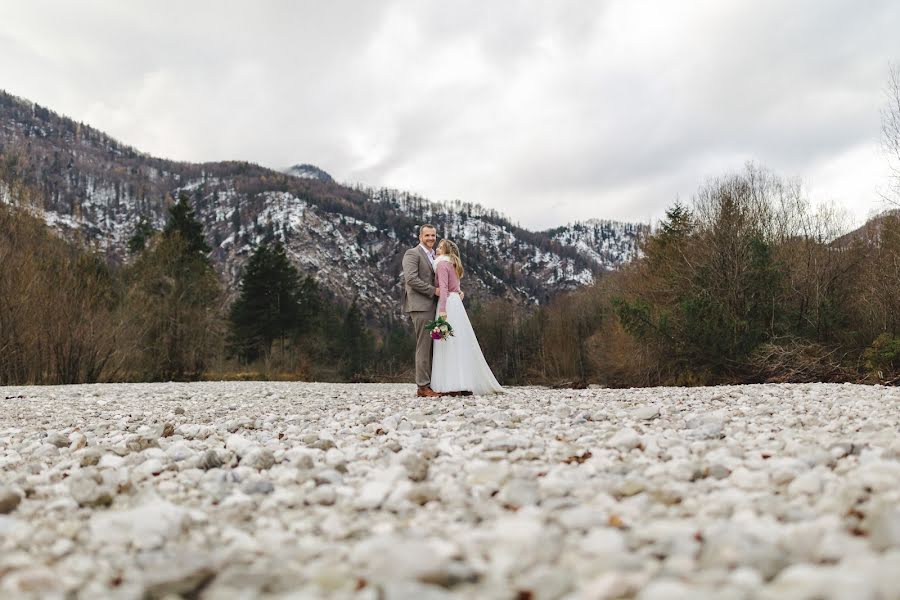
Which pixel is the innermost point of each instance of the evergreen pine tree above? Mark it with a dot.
(356, 344)
(143, 231)
(183, 221)
(174, 297)
(678, 221)
(311, 306)
(270, 306)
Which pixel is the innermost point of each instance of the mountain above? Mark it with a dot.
(309, 172)
(606, 243)
(94, 189)
(870, 231)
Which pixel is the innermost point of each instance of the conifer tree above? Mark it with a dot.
(270, 305)
(183, 221)
(174, 301)
(356, 343)
(143, 231)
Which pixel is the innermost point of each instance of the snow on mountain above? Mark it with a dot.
(309, 172)
(94, 189)
(608, 244)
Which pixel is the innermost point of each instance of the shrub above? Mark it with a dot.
(883, 356)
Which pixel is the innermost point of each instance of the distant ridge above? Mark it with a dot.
(309, 172)
(90, 187)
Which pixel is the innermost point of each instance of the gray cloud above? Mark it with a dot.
(548, 111)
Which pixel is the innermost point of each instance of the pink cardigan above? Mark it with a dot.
(447, 282)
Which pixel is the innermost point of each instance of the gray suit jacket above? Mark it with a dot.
(418, 282)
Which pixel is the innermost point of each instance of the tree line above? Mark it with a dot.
(747, 283)
(67, 315)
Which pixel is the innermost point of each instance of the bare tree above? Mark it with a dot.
(890, 132)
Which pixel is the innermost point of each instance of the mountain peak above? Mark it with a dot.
(307, 171)
(94, 189)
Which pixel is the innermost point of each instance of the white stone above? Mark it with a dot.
(258, 458)
(147, 469)
(625, 439)
(179, 452)
(746, 479)
(738, 492)
(809, 483)
(77, 440)
(390, 557)
(520, 492)
(239, 444)
(645, 413)
(884, 526)
(145, 527)
(110, 461)
(667, 589)
(604, 542)
(487, 473)
(372, 494)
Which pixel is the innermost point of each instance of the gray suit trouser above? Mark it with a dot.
(424, 345)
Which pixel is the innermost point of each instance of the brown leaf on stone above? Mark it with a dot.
(615, 521)
(575, 458)
(524, 595)
(855, 512)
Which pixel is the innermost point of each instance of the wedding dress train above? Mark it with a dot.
(458, 364)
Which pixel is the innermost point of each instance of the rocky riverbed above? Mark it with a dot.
(287, 490)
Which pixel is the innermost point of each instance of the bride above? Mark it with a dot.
(458, 364)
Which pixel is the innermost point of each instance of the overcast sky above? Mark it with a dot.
(547, 111)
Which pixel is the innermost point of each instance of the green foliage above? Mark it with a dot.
(397, 351)
(183, 222)
(637, 318)
(174, 305)
(143, 232)
(273, 304)
(173, 302)
(356, 344)
(883, 356)
(707, 292)
(678, 222)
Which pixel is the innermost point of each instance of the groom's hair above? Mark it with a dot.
(426, 226)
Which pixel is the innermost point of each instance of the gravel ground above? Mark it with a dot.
(289, 490)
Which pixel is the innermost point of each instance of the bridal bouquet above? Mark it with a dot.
(440, 329)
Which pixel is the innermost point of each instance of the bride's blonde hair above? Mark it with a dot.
(451, 251)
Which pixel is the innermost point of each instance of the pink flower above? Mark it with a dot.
(435, 335)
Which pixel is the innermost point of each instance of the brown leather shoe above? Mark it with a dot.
(427, 392)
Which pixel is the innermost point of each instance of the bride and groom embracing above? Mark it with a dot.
(453, 365)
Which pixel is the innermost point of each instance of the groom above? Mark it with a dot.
(420, 299)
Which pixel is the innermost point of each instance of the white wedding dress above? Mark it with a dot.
(458, 364)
